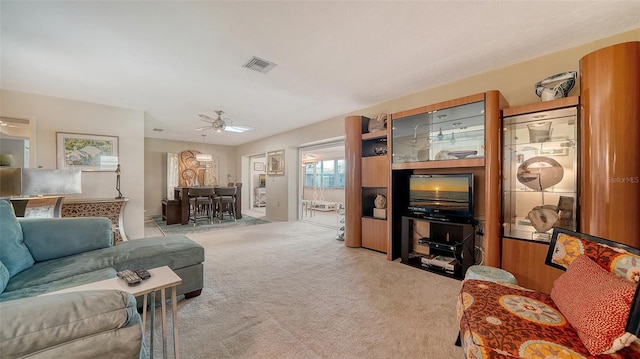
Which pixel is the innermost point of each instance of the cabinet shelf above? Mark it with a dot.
(415, 261)
(465, 162)
(374, 135)
(547, 191)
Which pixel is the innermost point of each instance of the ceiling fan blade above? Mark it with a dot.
(203, 128)
(239, 128)
(206, 118)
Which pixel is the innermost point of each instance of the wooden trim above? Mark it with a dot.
(541, 106)
(353, 181)
(493, 178)
(469, 162)
(438, 106)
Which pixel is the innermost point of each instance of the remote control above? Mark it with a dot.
(143, 273)
(130, 277)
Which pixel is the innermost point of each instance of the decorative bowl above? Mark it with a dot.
(462, 154)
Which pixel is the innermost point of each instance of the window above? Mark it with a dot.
(325, 174)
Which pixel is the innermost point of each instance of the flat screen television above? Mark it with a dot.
(442, 196)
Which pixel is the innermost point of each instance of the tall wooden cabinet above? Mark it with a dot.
(610, 133)
(368, 176)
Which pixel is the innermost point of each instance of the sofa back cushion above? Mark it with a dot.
(4, 277)
(618, 258)
(595, 302)
(14, 253)
(50, 238)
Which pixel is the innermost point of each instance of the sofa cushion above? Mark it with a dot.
(50, 238)
(4, 276)
(14, 254)
(44, 323)
(174, 251)
(596, 302)
(59, 284)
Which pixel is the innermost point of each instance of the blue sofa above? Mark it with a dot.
(41, 255)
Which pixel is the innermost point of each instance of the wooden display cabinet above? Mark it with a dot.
(368, 175)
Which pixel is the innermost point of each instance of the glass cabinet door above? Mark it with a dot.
(539, 173)
(446, 134)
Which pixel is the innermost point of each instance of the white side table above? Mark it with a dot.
(161, 278)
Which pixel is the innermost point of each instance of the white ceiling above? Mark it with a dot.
(177, 59)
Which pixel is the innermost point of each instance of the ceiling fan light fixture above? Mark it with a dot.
(218, 125)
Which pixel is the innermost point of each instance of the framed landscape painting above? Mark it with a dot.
(86, 152)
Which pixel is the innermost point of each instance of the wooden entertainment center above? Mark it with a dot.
(441, 139)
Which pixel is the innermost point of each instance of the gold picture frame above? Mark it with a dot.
(275, 163)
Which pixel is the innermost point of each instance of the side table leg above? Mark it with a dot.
(164, 323)
(174, 307)
(152, 307)
(144, 312)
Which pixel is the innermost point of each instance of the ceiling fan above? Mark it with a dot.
(219, 125)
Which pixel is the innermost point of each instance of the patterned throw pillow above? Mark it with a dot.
(596, 303)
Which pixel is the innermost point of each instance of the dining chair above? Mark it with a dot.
(201, 202)
(226, 201)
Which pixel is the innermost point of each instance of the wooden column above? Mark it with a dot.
(610, 143)
(494, 102)
(353, 180)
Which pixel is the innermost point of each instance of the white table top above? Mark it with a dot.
(161, 277)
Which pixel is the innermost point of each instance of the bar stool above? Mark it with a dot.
(226, 201)
(201, 201)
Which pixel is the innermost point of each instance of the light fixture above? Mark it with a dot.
(218, 125)
(204, 157)
(440, 134)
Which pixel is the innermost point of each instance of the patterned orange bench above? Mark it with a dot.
(593, 310)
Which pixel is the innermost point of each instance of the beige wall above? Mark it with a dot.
(516, 82)
(54, 114)
(143, 165)
(155, 167)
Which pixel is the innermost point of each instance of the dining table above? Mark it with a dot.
(181, 194)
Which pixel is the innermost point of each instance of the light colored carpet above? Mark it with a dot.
(290, 290)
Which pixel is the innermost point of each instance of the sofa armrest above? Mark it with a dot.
(32, 325)
(50, 238)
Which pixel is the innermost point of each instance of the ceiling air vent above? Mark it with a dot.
(260, 65)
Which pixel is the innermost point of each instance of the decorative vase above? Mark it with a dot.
(539, 132)
(556, 86)
(379, 123)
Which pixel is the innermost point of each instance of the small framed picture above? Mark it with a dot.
(275, 163)
(86, 152)
(258, 166)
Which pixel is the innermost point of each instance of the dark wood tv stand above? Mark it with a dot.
(446, 238)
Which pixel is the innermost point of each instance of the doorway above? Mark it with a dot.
(321, 184)
(258, 184)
